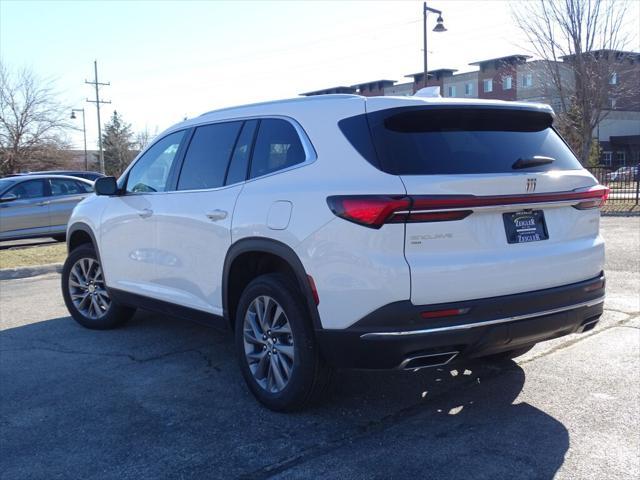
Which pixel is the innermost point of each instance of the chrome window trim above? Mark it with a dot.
(466, 326)
(309, 150)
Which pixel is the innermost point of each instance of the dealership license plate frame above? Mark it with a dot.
(525, 226)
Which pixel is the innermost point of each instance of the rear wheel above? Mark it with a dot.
(85, 293)
(277, 352)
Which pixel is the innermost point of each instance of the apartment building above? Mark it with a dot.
(518, 78)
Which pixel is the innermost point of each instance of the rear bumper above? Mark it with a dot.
(395, 335)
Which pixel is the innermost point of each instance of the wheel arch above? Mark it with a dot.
(80, 234)
(262, 255)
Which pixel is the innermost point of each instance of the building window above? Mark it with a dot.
(506, 83)
(468, 88)
(452, 91)
(488, 85)
(527, 80)
(620, 158)
(606, 158)
(613, 79)
(613, 102)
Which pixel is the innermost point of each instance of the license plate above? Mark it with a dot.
(525, 226)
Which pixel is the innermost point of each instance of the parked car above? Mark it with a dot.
(624, 174)
(87, 175)
(344, 231)
(39, 205)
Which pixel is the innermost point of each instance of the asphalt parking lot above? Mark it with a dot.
(163, 398)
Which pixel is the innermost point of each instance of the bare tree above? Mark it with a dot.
(144, 137)
(32, 122)
(581, 43)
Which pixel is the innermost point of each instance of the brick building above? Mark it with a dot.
(516, 77)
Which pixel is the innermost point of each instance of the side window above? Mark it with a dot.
(240, 159)
(278, 146)
(30, 189)
(61, 186)
(85, 187)
(151, 171)
(207, 157)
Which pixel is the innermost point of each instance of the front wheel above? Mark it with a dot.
(277, 352)
(85, 293)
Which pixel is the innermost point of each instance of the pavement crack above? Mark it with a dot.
(358, 432)
(582, 337)
(112, 354)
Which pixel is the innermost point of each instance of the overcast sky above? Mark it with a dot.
(167, 60)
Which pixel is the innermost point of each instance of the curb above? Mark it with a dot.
(25, 272)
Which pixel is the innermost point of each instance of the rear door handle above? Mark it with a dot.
(42, 204)
(217, 215)
(146, 213)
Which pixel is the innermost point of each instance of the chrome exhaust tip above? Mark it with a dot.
(417, 362)
(589, 325)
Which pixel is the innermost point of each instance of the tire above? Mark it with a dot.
(509, 354)
(303, 378)
(60, 238)
(97, 311)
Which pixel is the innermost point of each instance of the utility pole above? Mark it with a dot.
(97, 101)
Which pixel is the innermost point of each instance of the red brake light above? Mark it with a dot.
(370, 210)
(417, 217)
(598, 196)
(375, 210)
(452, 312)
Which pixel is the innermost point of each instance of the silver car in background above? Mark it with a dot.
(39, 205)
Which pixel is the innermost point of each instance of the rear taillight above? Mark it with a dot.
(599, 195)
(375, 210)
(370, 210)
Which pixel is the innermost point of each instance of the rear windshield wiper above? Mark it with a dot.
(531, 162)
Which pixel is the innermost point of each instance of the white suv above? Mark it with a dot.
(343, 231)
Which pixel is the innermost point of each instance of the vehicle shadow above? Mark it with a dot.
(163, 398)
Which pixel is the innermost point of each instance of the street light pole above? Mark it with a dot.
(438, 28)
(84, 132)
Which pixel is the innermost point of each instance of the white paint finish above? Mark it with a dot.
(279, 215)
(193, 239)
(470, 258)
(356, 269)
(128, 242)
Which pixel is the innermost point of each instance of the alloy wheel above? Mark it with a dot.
(87, 289)
(268, 344)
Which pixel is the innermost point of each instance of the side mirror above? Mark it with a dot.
(106, 186)
(8, 197)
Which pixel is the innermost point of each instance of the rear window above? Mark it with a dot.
(429, 141)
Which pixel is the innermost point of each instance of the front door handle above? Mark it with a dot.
(217, 215)
(44, 203)
(146, 213)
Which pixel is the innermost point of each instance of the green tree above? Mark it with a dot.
(118, 143)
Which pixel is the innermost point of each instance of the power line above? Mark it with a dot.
(97, 101)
